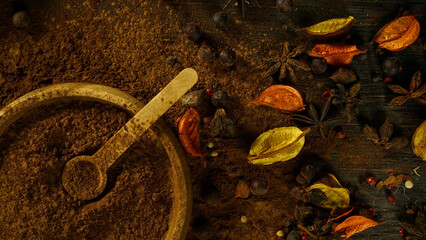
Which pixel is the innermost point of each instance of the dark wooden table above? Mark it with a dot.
(268, 23)
(265, 27)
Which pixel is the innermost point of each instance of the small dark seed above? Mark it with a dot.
(220, 19)
(259, 186)
(220, 99)
(192, 31)
(205, 54)
(21, 19)
(227, 57)
(319, 65)
(211, 195)
(391, 66)
(202, 228)
(284, 5)
(293, 236)
(361, 57)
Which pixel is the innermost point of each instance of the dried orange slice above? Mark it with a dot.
(281, 97)
(398, 34)
(336, 54)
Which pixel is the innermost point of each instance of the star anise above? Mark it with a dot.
(415, 92)
(349, 98)
(286, 63)
(385, 131)
(242, 4)
(317, 121)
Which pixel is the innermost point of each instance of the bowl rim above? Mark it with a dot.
(180, 175)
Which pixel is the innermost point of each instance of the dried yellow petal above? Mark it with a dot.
(418, 141)
(277, 145)
(331, 28)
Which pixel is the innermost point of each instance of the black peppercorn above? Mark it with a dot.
(259, 186)
(220, 99)
(391, 66)
(202, 228)
(192, 31)
(227, 57)
(21, 19)
(220, 19)
(205, 54)
(284, 5)
(319, 65)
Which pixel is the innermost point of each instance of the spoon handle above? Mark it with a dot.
(148, 115)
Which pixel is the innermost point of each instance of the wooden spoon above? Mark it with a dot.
(85, 177)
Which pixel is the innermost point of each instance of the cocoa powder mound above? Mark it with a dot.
(34, 204)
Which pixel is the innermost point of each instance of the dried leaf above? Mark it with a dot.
(421, 221)
(371, 133)
(188, 133)
(242, 190)
(411, 229)
(421, 100)
(398, 101)
(401, 178)
(379, 185)
(416, 80)
(398, 34)
(336, 54)
(340, 216)
(277, 145)
(397, 89)
(354, 90)
(281, 97)
(334, 194)
(344, 75)
(390, 180)
(331, 28)
(396, 143)
(386, 130)
(419, 92)
(354, 224)
(418, 141)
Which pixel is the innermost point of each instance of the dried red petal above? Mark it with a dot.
(188, 133)
(354, 224)
(336, 54)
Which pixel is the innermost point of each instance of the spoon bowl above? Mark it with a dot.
(83, 178)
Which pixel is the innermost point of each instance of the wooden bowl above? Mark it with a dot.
(180, 176)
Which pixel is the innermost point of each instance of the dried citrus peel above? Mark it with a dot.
(336, 54)
(331, 28)
(418, 141)
(398, 34)
(281, 97)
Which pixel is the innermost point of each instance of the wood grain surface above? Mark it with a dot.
(371, 15)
